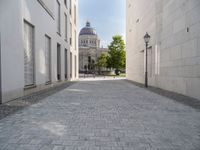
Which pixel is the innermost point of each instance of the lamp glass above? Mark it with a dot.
(147, 38)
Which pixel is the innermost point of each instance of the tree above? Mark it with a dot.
(117, 54)
(102, 61)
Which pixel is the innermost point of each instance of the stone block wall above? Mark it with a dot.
(174, 56)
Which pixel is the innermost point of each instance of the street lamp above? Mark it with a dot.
(146, 40)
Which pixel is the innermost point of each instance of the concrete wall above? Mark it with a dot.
(12, 16)
(174, 59)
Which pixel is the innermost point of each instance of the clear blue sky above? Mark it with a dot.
(106, 16)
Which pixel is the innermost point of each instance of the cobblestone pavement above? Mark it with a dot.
(102, 115)
(12, 107)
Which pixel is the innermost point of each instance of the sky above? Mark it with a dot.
(106, 16)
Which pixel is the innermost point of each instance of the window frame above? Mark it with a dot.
(33, 54)
(58, 17)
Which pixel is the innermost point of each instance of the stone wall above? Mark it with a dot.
(174, 56)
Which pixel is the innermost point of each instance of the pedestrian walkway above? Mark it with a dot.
(102, 115)
(106, 78)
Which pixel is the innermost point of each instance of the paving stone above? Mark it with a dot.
(28, 147)
(106, 148)
(47, 147)
(102, 115)
(10, 147)
(58, 148)
(58, 142)
(12, 107)
(69, 148)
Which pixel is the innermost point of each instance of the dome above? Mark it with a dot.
(88, 30)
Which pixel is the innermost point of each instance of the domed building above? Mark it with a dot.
(89, 48)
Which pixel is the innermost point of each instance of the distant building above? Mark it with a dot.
(38, 45)
(89, 48)
(174, 48)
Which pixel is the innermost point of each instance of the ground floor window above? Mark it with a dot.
(75, 63)
(70, 64)
(66, 67)
(58, 62)
(29, 68)
(47, 59)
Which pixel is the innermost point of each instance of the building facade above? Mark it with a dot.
(174, 48)
(89, 48)
(38, 45)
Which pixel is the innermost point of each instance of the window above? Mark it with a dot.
(75, 14)
(58, 62)
(66, 67)
(58, 17)
(157, 59)
(29, 62)
(48, 58)
(70, 7)
(66, 27)
(75, 39)
(65, 1)
(70, 64)
(75, 63)
(48, 6)
(89, 59)
(70, 33)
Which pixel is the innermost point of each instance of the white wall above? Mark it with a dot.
(11, 47)
(176, 66)
(12, 16)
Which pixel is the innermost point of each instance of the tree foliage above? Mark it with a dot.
(102, 61)
(117, 55)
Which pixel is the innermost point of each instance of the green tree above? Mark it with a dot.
(117, 54)
(102, 61)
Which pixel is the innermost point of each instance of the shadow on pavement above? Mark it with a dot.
(188, 101)
(13, 106)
